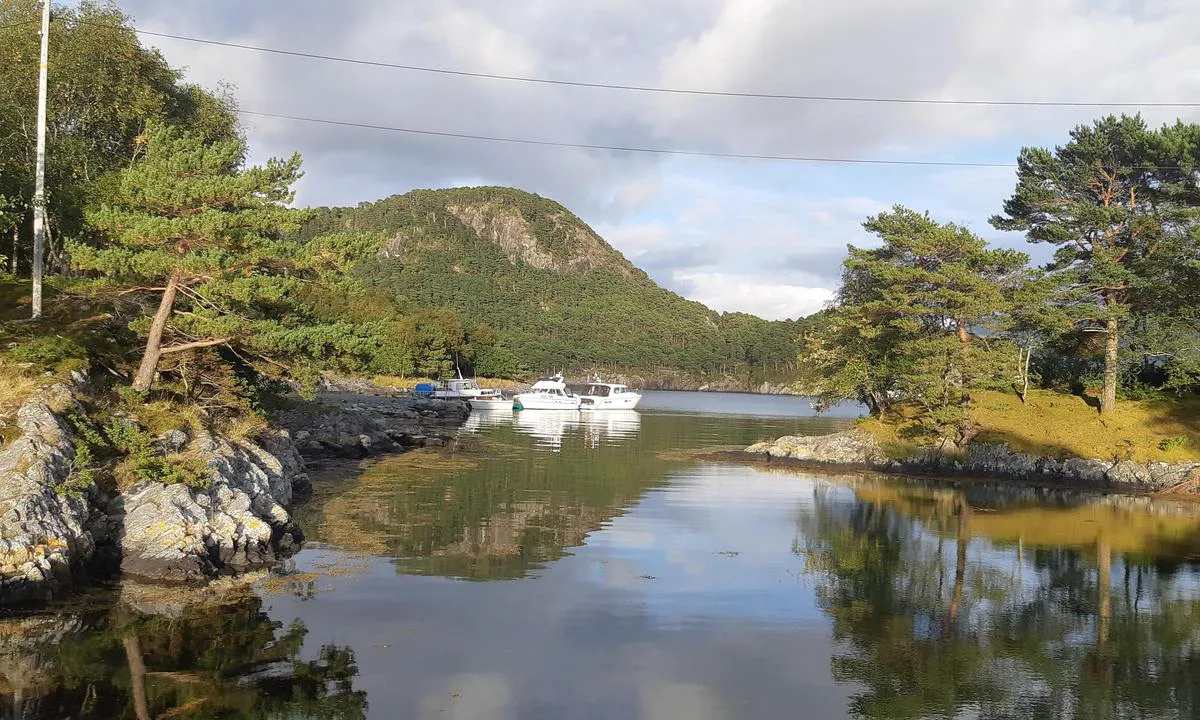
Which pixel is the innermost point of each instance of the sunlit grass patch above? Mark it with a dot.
(1059, 425)
(17, 384)
(407, 383)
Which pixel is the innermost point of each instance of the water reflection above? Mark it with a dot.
(104, 659)
(551, 427)
(993, 604)
(640, 583)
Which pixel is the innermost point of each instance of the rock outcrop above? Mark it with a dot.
(45, 535)
(355, 426)
(858, 448)
(53, 531)
(177, 533)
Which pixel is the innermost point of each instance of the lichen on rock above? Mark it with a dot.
(44, 534)
(155, 530)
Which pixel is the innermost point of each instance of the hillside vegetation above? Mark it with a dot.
(550, 291)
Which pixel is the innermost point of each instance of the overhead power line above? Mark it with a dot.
(667, 90)
(19, 24)
(629, 149)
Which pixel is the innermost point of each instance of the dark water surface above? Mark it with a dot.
(569, 566)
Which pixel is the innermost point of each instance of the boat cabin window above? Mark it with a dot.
(599, 390)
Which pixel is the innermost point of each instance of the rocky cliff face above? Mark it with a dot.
(858, 448)
(578, 250)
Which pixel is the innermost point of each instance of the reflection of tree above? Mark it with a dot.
(1078, 632)
(887, 592)
(225, 660)
(498, 513)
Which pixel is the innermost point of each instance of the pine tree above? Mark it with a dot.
(189, 212)
(1110, 199)
(909, 316)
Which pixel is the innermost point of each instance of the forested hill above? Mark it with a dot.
(547, 290)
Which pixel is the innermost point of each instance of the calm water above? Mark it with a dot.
(563, 566)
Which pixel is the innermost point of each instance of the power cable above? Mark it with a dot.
(19, 24)
(661, 90)
(629, 149)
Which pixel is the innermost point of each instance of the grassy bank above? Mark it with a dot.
(402, 383)
(1058, 425)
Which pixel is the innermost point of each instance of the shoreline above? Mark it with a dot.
(948, 480)
(58, 535)
(54, 542)
(857, 451)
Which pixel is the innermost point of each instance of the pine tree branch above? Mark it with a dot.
(195, 345)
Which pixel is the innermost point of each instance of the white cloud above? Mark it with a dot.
(747, 293)
(683, 217)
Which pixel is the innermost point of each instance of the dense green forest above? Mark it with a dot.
(536, 288)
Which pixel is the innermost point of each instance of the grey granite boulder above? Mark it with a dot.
(44, 534)
(177, 533)
(851, 447)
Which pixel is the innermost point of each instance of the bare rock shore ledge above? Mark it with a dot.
(857, 448)
(52, 538)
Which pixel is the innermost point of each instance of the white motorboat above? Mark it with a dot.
(547, 394)
(608, 396)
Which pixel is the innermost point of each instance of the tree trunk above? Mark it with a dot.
(1103, 573)
(145, 374)
(1109, 402)
(964, 338)
(960, 564)
(1025, 374)
(137, 676)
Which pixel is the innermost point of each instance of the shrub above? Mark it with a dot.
(48, 351)
(121, 454)
(1172, 443)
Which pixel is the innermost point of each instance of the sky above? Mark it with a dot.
(765, 237)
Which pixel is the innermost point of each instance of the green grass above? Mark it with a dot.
(400, 382)
(1058, 425)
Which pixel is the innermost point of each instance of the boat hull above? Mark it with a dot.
(610, 403)
(534, 402)
(491, 404)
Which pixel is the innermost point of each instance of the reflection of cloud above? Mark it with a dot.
(677, 701)
(473, 696)
(620, 574)
(631, 536)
